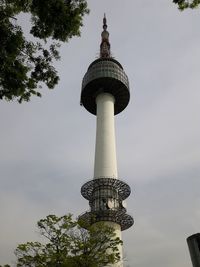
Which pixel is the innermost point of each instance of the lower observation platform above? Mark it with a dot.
(121, 187)
(106, 199)
(120, 217)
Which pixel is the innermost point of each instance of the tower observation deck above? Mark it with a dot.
(105, 93)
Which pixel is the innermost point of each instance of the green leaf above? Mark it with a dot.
(25, 65)
(69, 245)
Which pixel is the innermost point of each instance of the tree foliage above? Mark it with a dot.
(68, 244)
(26, 64)
(183, 4)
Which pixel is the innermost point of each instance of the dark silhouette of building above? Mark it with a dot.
(193, 242)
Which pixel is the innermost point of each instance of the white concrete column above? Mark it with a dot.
(105, 151)
(118, 233)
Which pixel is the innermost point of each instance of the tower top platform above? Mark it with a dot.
(105, 74)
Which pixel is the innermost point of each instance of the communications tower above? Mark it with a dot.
(105, 93)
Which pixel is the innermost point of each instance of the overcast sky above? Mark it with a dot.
(47, 145)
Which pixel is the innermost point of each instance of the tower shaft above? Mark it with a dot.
(105, 151)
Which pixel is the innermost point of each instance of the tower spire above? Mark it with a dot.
(105, 44)
(104, 22)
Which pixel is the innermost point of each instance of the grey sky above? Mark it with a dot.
(47, 145)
